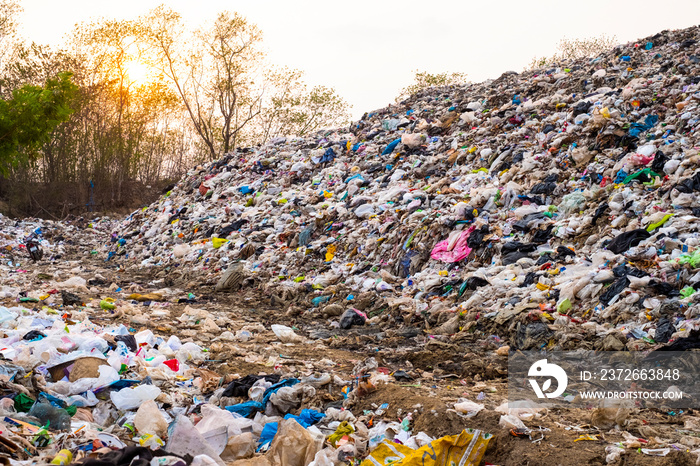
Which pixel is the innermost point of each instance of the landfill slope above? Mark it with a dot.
(555, 207)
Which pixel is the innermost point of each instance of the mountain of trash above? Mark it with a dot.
(355, 296)
(553, 207)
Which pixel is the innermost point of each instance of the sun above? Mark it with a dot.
(137, 71)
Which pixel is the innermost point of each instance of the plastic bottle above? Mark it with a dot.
(63, 457)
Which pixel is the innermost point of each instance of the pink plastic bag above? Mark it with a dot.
(457, 252)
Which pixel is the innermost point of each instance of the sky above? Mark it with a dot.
(369, 50)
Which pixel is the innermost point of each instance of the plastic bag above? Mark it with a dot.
(453, 249)
(213, 418)
(571, 203)
(293, 446)
(184, 439)
(469, 408)
(365, 210)
(287, 398)
(107, 376)
(73, 282)
(511, 421)
(6, 315)
(239, 446)
(57, 418)
(466, 448)
(524, 409)
(286, 334)
(149, 420)
(352, 317)
(131, 398)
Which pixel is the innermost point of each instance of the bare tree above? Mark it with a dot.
(575, 49)
(425, 80)
(290, 108)
(214, 76)
(9, 9)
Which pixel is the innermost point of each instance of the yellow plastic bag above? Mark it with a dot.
(330, 252)
(343, 429)
(150, 440)
(218, 242)
(108, 304)
(466, 449)
(146, 297)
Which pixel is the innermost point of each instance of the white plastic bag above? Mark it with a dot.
(469, 408)
(511, 421)
(6, 315)
(286, 334)
(131, 398)
(365, 210)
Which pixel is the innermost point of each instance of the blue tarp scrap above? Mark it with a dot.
(277, 386)
(620, 177)
(246, 409)
(306, 418)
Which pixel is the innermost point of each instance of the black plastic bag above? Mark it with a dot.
(543, 188)
(664, 330)
(350, 318)
(614, 290)
(628, 239)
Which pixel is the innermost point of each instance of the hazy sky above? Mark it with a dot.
(368, 50)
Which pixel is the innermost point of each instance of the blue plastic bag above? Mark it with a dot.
(267, 435)
(392, 145)
(307, 417)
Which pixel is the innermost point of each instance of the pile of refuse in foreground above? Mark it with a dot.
(552, 209)
(81, 384)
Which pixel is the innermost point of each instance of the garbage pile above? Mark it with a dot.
(18, 237)
(553, 208)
